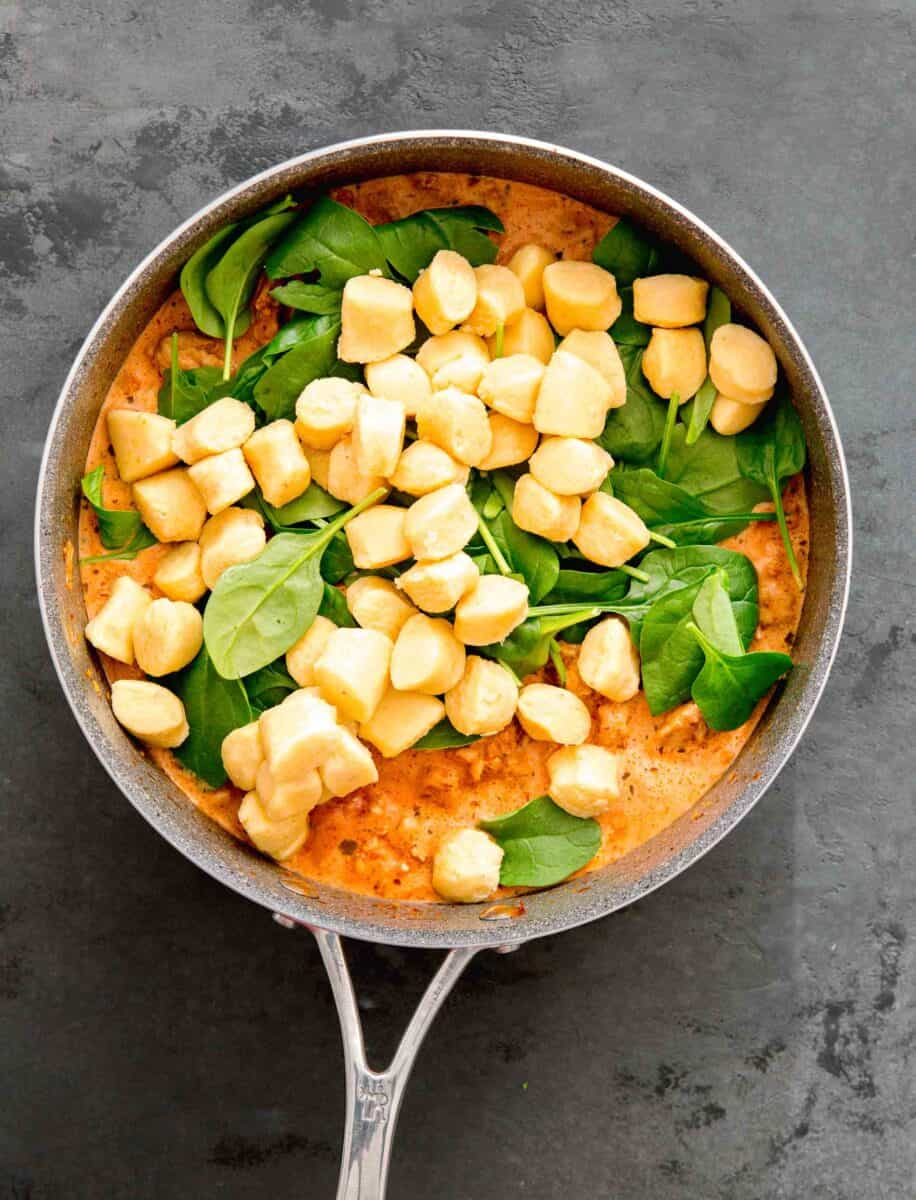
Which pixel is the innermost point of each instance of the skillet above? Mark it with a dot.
(373, 1097)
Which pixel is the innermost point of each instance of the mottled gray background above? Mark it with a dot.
(747, 1032)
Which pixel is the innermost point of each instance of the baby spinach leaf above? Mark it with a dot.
(709, 470)
(120, 529)
(186, 393)
(214, 706)
(309, 297)
(527, 647)
(628, 252)
(230, 284)
(193, 282)
(444, 736)
(542, 844)
(626, 330)
(260, 608)
(718, 312)
(314, 504)
(633, 432)
(713, 612)
(331, 239)
(771, 451)
(334, 606)
(529, 556)
(587, 587)
(411, 243)
(671, 657)
(308, 353)
(269, 686)
(337, 560)
(729, 685)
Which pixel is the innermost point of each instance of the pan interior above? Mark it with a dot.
(161, 802)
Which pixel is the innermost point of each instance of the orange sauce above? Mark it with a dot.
(381, 840)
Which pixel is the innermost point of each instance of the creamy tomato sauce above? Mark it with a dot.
(381, 840)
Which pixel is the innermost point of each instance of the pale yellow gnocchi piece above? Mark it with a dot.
(400, 720)
(742, 364)
(279, 839)
(376, 319)
(491, 610)
(437, 586)
(500, 300)
(729, 416)
(320, 464)
(142, 442)
(529, 334)
(455, 359)
(352, 671)
(242, 755)
(298, 734)
(528, 263)
(440, 523)
(294, 798)
(573, 398)
(675, 361)
(670, 301)
(278, 462)
(111, 630)
(446, 292)
(580, 295)
(350, 766)
(178, 574)
(223, 425)
(539, 510)
(484, 700)
(570, 466)
(325, 412)
(167, 636)
(427, 657)
(599, 350)
(552, 714)
(608, 661)
(222, 479)
(609, 532)
(378, 434)
(377, 537)
(466, 866)
(150, 712)
(377, 604)
(236, 535)
(399, 378)
(170, 505)
(510, 385)
(583, 779)
(457, 422)
(425, 467)
(345, 480)
(303, 654)
(513, 442)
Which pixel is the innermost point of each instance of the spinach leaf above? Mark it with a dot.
(214, 707)
(633, 432)
(626, 330)
(729, 685)
(193, 283)
(718, 312)
(411, 243)
(120, 529)
(334, 606)
(309, 351)
(331, 239)
(269, 686)
(337, 560)
(260, 608)
(444, 736)
(709, 470)
(671, 657)
(309, 297)
(314, 504)
(230, 284)
(713, 612)
(527, 647)
(769, 452)
(532, 558)
(542, 844)
(186, 393)
(588, 587)
(627, 252)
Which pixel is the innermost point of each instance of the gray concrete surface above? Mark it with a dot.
(746, 1033)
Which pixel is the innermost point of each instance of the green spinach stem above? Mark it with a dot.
(673, 405)
(786, 537)
(557, 659)
(227, 351)
(495, 553)
(634, 573)
(662, 540)
(500, 336)
(338, 523)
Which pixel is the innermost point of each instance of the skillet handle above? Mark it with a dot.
(374, 1097)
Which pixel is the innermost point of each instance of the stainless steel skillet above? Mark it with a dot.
(373, 1098)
